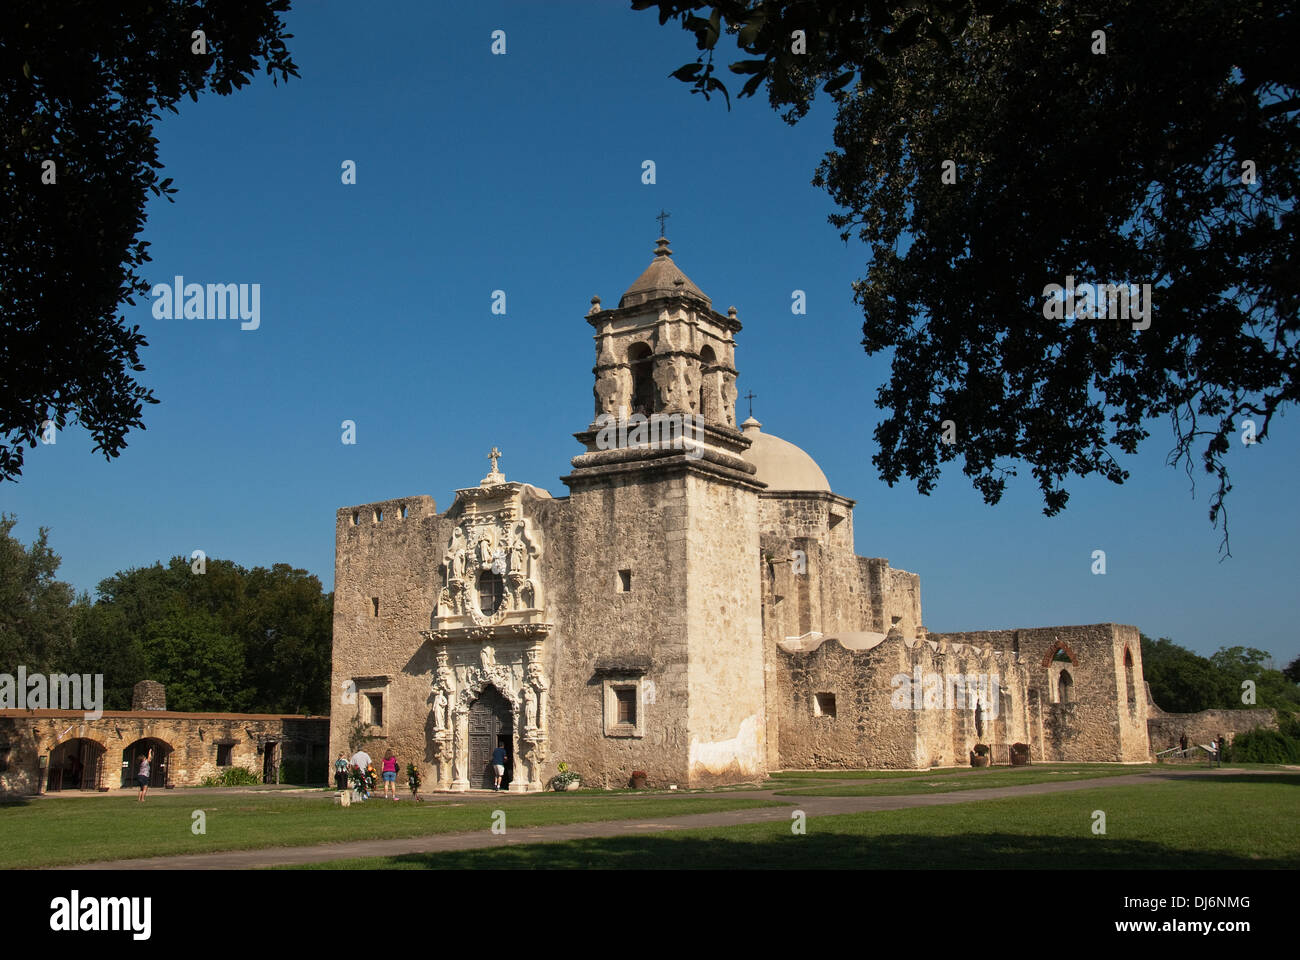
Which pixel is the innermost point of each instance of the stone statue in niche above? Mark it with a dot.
(527, 595)
(455, 557)
(529, 708)
(445, 603)
(485, 551)
(518, 555)
(440, 703)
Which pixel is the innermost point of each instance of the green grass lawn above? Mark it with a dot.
(64, 831)
(1222, 822)
(970, 779)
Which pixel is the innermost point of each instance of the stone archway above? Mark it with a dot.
(76, 764)
(491, 724)
(137, 751)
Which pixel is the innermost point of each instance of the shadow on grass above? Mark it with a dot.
(839, 852)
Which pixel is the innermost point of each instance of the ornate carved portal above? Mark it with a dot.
(489, 630)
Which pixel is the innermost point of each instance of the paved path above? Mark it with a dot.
(479, 839)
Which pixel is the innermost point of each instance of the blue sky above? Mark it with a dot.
(522, 173)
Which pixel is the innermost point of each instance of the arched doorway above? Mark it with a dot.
(137, 751)
(645, 393)
(76, 764)
(490, 726)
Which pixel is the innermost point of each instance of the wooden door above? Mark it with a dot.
(489, 722)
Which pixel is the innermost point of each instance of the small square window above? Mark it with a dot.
(404, 512)
(223, 754)
(824, 705)
(374, 606)
(624, 708)
(625, 581)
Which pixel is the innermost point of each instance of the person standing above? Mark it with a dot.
(341, 772)
(142, 776)
(390, 776)
(498, 766)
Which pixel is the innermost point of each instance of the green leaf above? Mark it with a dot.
(840, 82)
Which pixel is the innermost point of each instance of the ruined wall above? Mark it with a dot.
(1165, 729)
(727, 725)
(909, 704)
(1099, 722)
(866, 730)
(193, 737)
(395, 560)
(890, 593)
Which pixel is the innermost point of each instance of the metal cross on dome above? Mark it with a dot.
(661, 218)
(750, 397)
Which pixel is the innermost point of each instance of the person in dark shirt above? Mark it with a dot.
(498, 766)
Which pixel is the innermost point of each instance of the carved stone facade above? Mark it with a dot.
(698, 614)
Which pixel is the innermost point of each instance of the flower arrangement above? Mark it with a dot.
(413, 778)
(981, 749)
(638, 779)
(564, 777)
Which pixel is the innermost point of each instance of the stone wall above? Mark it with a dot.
(727, 724)
(393, 560)
(194, 740)
(1165, 729)
(635, 522)
(908, 704)
(1099, 721)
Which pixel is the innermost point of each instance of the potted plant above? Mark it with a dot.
(979, 757)
(1019, 754)
(413, 780)
(566, 779)
(638, 779)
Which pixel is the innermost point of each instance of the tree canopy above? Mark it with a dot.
(985, 151)
(227, 639)
(82, 84)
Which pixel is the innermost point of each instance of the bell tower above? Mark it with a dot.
(664, 349)
(666, 574)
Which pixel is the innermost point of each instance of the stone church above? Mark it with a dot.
(693, 608)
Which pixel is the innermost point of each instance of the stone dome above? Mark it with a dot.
(661, 279)
(782, 465)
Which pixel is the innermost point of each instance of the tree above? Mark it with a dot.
(274, 624)
(81, 85)
(1183, 682)
(36, 623)
(198, 660)
(989, 150)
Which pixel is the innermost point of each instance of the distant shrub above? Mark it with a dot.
(233, 777)
(1262, 745)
